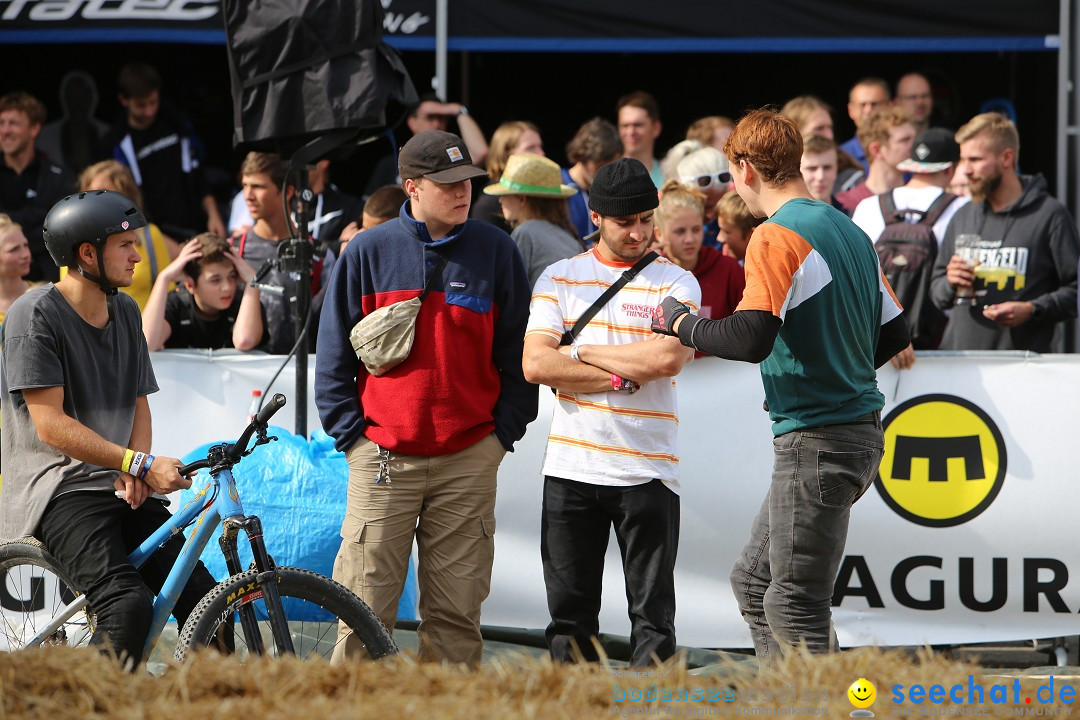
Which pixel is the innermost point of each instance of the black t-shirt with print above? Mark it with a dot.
(191, 330)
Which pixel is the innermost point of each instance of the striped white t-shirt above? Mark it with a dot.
(611, 438)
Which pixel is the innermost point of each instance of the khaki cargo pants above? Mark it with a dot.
(448, 504)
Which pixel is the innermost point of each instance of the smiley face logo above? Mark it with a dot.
(862, 695)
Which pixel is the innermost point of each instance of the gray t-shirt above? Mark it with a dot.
(279, 328)
(103, 372)
(542, 243)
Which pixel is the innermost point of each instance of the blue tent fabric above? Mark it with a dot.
(298, 489)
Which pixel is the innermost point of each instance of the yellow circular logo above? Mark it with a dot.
(944, 460)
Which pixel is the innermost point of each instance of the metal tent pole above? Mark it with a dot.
(1070, 41)
(441, 36)
(1064, 81)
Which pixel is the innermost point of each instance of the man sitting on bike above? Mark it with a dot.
(77, 435)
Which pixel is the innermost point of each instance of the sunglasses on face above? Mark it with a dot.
(704, 182)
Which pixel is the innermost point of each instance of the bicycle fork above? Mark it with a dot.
(267, 579)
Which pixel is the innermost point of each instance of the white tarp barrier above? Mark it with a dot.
(978, 466)
(908, 583)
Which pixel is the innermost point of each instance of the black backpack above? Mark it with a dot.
(907, 251)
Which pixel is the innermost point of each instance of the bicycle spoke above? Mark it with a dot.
(32, 593)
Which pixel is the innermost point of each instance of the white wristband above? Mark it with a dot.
(574, 352)
(136, 464)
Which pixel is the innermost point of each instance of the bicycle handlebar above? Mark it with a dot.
(276, 403)
(192, 468)
(236, 450)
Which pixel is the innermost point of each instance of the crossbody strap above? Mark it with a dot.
(151, 255)
(436, 271)
(569, 336)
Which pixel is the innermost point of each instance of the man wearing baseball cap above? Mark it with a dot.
(611, 457)
(424, 439)
(932, 164)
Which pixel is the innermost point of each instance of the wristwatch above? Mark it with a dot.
(462, 110)
(574, 352)
(1038, 312)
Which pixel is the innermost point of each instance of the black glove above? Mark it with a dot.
(666, 313)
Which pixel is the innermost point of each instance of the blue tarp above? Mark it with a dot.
(298, 489)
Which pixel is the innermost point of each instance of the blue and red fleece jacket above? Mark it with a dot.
(463, 378)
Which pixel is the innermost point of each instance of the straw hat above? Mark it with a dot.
(531, 175)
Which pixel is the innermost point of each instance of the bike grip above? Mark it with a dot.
(192, 468)
(276, 403)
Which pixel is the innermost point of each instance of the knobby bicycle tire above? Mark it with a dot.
(33, 590)
(314, 605)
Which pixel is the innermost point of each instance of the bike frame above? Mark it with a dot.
(202, 510)
(217, 500)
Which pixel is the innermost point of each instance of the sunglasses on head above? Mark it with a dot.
(704, 182)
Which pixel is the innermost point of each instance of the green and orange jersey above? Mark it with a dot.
(810, 266)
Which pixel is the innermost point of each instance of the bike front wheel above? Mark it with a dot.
(320, 613)
(33, 591)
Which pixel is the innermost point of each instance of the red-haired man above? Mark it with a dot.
(819, 317)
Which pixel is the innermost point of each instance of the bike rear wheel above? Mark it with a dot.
(315, 607)
(33, 590)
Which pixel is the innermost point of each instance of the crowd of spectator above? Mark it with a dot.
(152, 154)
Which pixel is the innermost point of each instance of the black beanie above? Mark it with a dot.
(622, 188)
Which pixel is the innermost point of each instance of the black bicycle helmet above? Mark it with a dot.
(89, 217)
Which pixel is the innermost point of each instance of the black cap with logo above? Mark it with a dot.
(934, 150)
(439, 156)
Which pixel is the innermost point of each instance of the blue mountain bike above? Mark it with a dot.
(265, 610)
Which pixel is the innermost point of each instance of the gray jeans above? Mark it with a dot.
(783, 581)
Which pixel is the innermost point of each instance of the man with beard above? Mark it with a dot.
(611, 456)
(1007, 265)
